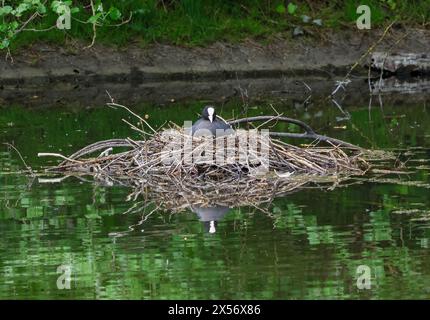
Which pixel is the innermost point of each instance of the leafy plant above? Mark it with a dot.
(17, 16)
(280, 8)
(292, 8)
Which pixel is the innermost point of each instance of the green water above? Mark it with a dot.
(309, 247)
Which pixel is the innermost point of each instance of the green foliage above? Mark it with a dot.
(292, 8)
(61, 7)
(417, 12)
(190, 22)
(280, 8)
(17, 16)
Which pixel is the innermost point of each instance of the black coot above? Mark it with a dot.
(209, 123)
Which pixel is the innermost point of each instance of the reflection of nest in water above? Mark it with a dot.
(178, 195)
(257, 168)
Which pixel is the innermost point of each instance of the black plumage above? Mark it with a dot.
(209, 123)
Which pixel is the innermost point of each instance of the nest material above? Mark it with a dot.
(249, 153)
(176, 170)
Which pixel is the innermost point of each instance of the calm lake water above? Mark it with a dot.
(308, 248)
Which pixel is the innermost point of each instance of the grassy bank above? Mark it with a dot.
(195, 22)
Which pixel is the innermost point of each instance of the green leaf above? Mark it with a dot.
(114, 13)
(74, 10)
(281, 9)
(41, 9)
(14, 25)
(4, 44)
(21, 9)
(292, 8)
(54, 5)
(99, 6)
(58, 7)
(5, 10)
(93, 19)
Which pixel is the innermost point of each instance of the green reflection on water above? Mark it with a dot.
(307, 246)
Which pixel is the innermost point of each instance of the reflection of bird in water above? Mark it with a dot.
(210, 216)
(209, 123)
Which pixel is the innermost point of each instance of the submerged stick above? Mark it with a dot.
(22, 159)
(309, 132)
(58, 155)
(97, 146)
(299, 123)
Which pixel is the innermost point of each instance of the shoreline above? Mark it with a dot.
(46, 68)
